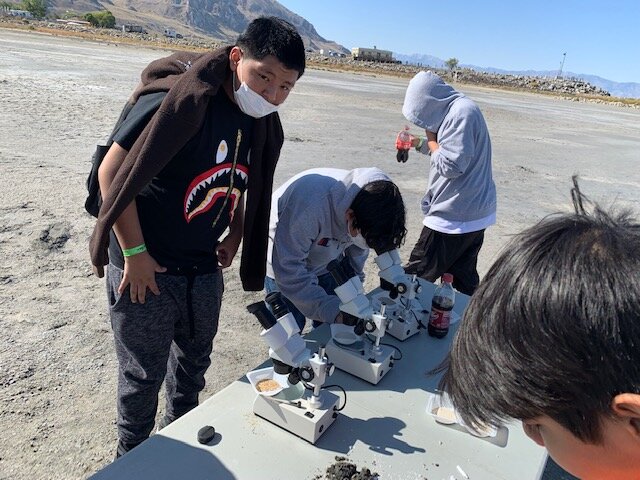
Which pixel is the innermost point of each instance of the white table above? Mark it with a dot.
(383, 427)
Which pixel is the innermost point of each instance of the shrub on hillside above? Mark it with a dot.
(102, 19)
(37, 8)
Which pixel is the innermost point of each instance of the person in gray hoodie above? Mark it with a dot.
(322, 215)
(460, 201)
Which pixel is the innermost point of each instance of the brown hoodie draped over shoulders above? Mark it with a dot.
(191, 80)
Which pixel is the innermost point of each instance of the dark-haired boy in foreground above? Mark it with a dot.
(552, 337)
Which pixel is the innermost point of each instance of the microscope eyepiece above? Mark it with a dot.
(337, 272)
(347, 268)
(276, 302)
(262, 313)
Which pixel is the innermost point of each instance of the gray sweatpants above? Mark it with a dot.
(160, 340)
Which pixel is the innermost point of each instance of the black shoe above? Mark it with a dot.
(124, 447)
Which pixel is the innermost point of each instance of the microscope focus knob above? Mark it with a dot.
(402, 288)
(330, 369)
(369, 326)
(306, 374)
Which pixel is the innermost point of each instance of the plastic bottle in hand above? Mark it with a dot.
(403, 144)
(441, 307)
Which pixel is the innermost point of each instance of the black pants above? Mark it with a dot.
(169, 338)
(437, 253)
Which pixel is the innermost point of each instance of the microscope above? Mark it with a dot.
(364, 357)
(304, 415)
(401, 295)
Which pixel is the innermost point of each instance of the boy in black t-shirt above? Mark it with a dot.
(167, 240)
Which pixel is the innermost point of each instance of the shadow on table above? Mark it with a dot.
(381, 434)
(164, 458)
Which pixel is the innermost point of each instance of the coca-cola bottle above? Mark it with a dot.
(403, 144)
(441, 306)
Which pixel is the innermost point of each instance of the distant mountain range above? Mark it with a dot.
(616, 89)
(224, 19)
(221, 20)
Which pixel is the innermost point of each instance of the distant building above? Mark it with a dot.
(20, 13)
(330, 53)
(73, 21)
(372, 54)
(131, 28)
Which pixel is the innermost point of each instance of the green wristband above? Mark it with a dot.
(130, 252)
(420, 143)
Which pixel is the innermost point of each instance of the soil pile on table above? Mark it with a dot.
(343, 469)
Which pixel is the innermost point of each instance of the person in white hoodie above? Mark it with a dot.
(460, 201)
(322, 215)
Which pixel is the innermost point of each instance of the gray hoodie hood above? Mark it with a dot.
(427, 100)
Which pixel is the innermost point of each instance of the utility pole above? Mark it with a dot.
(564, 55)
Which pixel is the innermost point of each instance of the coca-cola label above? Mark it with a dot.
(439, 318)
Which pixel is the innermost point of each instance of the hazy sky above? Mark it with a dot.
(599, 37)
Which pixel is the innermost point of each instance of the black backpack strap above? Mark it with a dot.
(94, 199)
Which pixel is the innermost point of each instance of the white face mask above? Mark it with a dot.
(252, 103)
(358, 240)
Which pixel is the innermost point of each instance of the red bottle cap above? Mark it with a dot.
(447, 277)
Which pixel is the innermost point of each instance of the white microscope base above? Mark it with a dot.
(402, 330)
(305, 422)
(358, 364)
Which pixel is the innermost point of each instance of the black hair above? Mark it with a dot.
(273, 36)
(554, 327)
(379, 214)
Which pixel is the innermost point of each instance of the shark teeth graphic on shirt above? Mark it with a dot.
(210, 186)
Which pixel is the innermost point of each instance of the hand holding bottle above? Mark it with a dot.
(404, 141)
